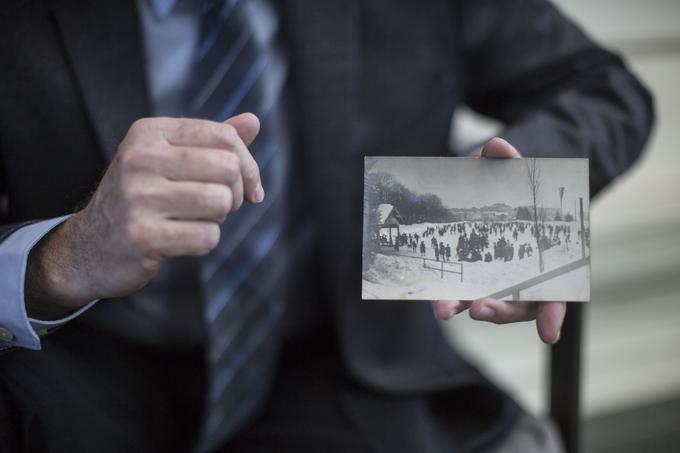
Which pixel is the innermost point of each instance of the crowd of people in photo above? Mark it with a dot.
(474, 240)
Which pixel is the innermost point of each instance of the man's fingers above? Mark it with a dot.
(499, 148)
(447, 309)
(248, 126)
(202, 201)
(184, 163)
(186, 199)
(501, 311)
(549, 320)
(182, 238)
(195, 132)
(182, 132)
(549, 315)
(205, 165)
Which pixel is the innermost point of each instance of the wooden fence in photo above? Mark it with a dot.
(439, 266)
(515, 290)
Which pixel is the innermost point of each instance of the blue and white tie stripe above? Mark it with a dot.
(237, 68)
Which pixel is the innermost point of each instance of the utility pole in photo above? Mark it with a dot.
(575, 212)
(583, 231)
(534, 183)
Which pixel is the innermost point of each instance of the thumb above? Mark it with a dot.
(497, 147)
(549, 320)
(247, 125)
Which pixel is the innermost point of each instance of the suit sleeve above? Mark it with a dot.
(558, 93)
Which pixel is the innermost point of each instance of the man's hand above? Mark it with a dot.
(548, 315)
(168, 188)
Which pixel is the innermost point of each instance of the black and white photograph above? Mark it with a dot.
(464, 228)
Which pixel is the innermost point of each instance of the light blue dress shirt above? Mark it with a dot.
(16, 328)
(170, 29)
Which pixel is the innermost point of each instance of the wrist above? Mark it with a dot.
(53, 283)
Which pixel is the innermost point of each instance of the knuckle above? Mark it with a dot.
(251, 172)
(186, 129)
(209, 237)
(141, 124)
(128, 194)
(222, 208)
(231, 165)
(229, 135)
(237, 203)
(162, 235)
(126, 159)
(144, 126)
(139, 194)
(138, 158)
(219, 199)
(184, 155)
(150, 266)
(138, 234)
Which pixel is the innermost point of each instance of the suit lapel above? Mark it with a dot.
(104, 45)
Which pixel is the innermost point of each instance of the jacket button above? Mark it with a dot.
(6, 335)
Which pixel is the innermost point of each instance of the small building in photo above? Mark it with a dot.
(388, 218)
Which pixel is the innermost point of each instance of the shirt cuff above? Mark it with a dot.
(16, 328)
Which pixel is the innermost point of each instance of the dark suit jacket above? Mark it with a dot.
(372, 77)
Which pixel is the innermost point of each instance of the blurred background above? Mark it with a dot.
(631, 379)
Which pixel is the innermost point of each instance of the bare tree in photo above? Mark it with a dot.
(534, 182)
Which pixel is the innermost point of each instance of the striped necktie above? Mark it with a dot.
(237, 69)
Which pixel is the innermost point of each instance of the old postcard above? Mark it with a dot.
(464, 228)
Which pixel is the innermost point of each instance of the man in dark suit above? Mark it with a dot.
(263, 344)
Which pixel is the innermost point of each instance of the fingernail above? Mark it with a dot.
(258, 195)
(486, 313)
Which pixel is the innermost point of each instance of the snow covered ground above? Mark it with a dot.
(400, 277)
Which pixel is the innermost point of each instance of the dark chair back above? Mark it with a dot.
(565, 378)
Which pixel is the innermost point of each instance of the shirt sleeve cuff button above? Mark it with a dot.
(6, 335)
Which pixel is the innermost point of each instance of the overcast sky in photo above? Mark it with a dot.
(467, 182)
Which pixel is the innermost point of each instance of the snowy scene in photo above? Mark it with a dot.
(464, 228)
